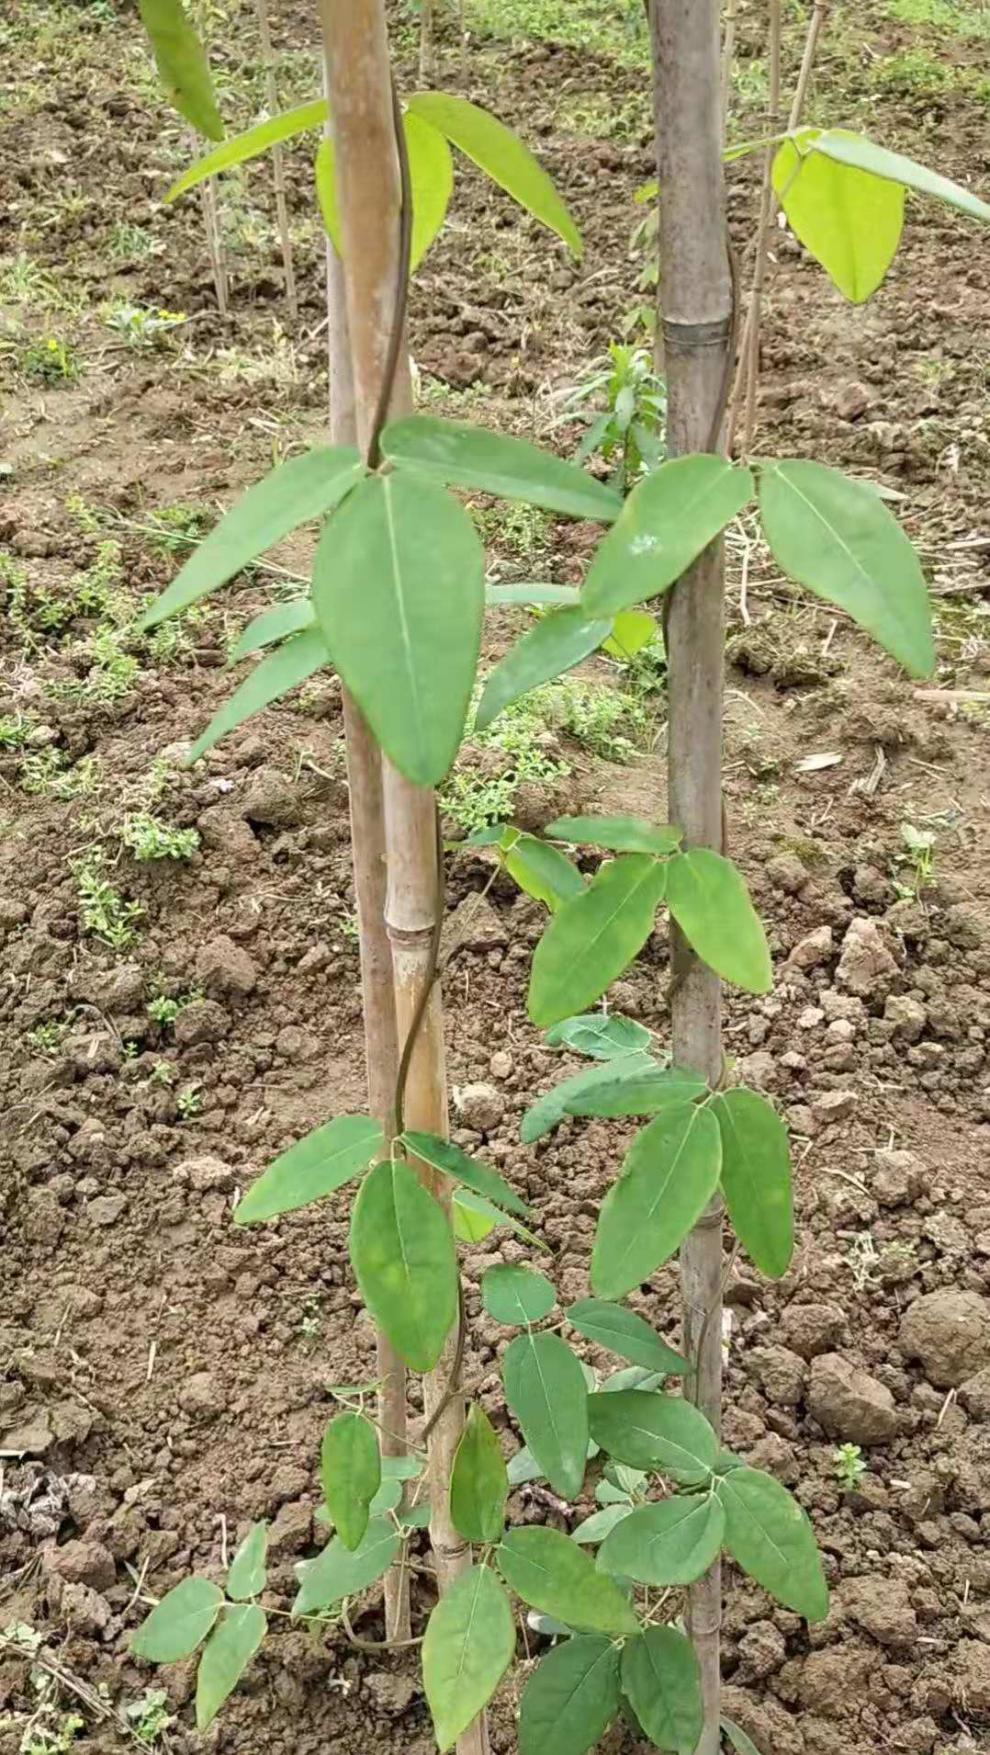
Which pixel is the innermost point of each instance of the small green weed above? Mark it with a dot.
(165, 1008)
(522, 532)
(162, 1073)
(189, 1102)
(150, 1716)
(148, 837)
(45, 1038)
(849, 1465)
(15, 730)
(961, 17)
(22, 282)
(172, 529)
(104, 911)
(514, 750)
(129, 242)
(918, 858)
(51, 361)
(623, 405)
(48, 773)
(143, 326)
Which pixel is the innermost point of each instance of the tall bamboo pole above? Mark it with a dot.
(278, 161)
(696, 296)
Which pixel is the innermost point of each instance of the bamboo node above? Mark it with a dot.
(686, 337)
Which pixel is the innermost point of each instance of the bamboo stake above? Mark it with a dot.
(696, 307)
(728, 57)
(214, 246)
(278, 162)
(763, 235)
(815, 27)
(427, 44)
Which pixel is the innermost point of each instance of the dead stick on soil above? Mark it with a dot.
(278, 161)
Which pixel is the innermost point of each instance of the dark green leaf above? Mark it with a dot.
(466, 456)
(314, 1167)
(248, 1572)
(667, 1179)
(855, 149)
(639, 1093)
(516, 1295)
(182, 64)
(542, 871)
(271, 626)
(666, 523)
(470, 1640)
(624, 1333)
(554, 644)
(654, 1432)
(350, 1474)
(673, 1542)
(602, 1035)
(402, 1251)
(546, 1391)
(593, 938)
(479, 1485)
(398, 586)
(445, 1156)
(282, 670)
(571, 1698)
(251, 144)
(661, 1678)
(498, 596)
(632, 1377)
(756, 1178)
(708, 898)
(551, 1109)
(226, 1656)
(552, 1574)
(742, 1744)
(338, 1572)
(619, 834)
(295, 493)
(501, 155)
(771, 1536)
(178, 1623)
(837, 537)
(850, 221)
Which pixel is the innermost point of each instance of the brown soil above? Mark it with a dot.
(165, 1377)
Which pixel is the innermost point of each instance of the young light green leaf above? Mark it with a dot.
(662, 1681)
(182, 64)
(350, 1474)
(462, 455)
(632, 631)
(546, 1391)
(403, 1256)
(501, 155)
(542, 871)
(314, 1167)
(602, 1035)
(571, 1698)
(431, 173)
(836, 536)
(639, 1093)
(276, 675)
(398, 587)
(226, 1656)
(631, 1377)
(756, 1178)
(178, 1623)
(672, 1542)
(592, 939)
(271, 626)
(561, 639)
(338, 1572)
(295, 493)
(865, 155)
(516, 1295)
(498, 596)
(445, 1156)
(471, 1217)
(850, 221)
(325, 178)
(666, 523)
(654, 1432)
(595, 1528)
(708, 898)
(248, 1572)
(618, 834)
(551, 1109)
(552, 1574)
(624, 1333)
(470, 1639)
(479, 1485)
(667, 1179)
(241, 147)
(771, 1537)
(480, 1208)
(735, 1734)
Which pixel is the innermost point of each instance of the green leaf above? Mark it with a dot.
(431, 172)
(639, 1093)
(499, 595)
(479, 1485)
(470, 1640)
(594, 937)
(546, 1391)
(708, 898)
(561, 639)
(856, 150)
(673, 1542)
(542, 871)
(624, 1333)
(314, 1167)
(402, 1251)
(516, 1295)
(251, 144)
(481, 1208)
(742, 1744)
(666, 523)
(654, 1432)
(350, 1474)
(668, 1177)
(466, 456)
(850, 221)
(226, 1656)
(295, 493)
(551, 1109)
(662, 1680)
(771, 1537)
(501, 155)
(602, 1035)
(835, 536)
(551, 1574)
(571, 1698)
(178, 1623)
(272, 625)
(325, 177)
(445, 1156)
(632, 631)
(248, 1572)
(182, 65)
(619, 834)
(276, 675)
(756, 1178)
(398, 586)
(472, 1219)
(595, 1528)
(338, 1572)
